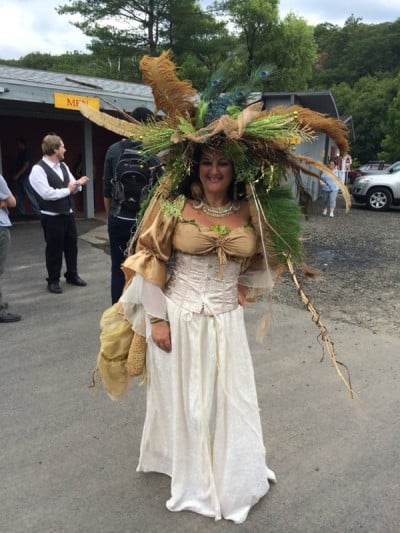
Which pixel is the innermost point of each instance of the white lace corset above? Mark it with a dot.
(201, 285)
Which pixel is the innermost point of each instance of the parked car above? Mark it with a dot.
(352, 175)
(378, 191)
(374, 167)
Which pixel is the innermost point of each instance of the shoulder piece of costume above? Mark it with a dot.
(260, 143)
(151, 247)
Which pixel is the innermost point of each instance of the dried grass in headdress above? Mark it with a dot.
(335, 129)
(328, 344)
(117, 125)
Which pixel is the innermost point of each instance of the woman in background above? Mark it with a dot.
(330, 189)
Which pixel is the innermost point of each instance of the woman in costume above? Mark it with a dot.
(218, 230)
(202, 422)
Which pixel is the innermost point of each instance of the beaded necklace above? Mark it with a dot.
(217, 212)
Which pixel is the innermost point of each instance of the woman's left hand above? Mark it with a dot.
(161, 335)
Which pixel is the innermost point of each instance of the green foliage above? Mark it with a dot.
(134, 21)
(391, 141)
(189, 31)
(368, 101)
(289, 45)
(71, 62)
(254, 22)
(294, 54)
(354, 51)
(284, 217)
(35, 60)
(360, 64)
(129, 28)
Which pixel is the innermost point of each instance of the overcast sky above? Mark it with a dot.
(34, 26)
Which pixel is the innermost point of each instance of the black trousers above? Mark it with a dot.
(61, 238)
(119, 232)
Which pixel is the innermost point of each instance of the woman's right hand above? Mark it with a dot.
(161, 335)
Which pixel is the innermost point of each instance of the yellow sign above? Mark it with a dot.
(72, 101)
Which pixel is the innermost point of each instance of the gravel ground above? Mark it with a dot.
(358, 254)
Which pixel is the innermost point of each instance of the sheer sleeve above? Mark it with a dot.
(141, 299)
(257, 279)
(154, 300)
(256, 275)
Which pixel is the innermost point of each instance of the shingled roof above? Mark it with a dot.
(38, 86)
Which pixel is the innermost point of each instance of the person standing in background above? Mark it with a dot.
(121, 221)
(330, 189)
(21, 178)
(54, 185)
(7, 200)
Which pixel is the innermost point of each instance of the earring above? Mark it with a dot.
(197, 190)
(236, 202)
(235, 191)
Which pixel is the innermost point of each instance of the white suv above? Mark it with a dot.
(378, 191)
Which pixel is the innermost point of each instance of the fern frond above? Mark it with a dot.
(283, 217)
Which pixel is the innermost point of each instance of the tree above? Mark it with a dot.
(286, 49)
(255, 22)
(391, 141)
(130, 21)
(199, 42)
(294, 53)
(124, 30)
(71, 62)
(356, 50)
(34, 60)
(368, 102)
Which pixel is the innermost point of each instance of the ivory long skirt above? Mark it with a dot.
(202, 424)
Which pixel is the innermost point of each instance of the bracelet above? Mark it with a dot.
(156, 320)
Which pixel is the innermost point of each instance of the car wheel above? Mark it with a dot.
(379, 199)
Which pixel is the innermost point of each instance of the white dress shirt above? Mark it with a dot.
(39, 182)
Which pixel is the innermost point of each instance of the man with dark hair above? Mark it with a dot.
(54, 185)
(21, 178)
(121, 219)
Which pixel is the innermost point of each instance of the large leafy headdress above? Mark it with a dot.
(261, 144)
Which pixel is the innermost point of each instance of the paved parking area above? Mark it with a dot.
(68, 454)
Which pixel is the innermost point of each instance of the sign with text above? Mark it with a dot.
(72, 101)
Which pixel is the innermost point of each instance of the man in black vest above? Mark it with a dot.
(54, 186)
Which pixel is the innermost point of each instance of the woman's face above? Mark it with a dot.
(215, 172)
